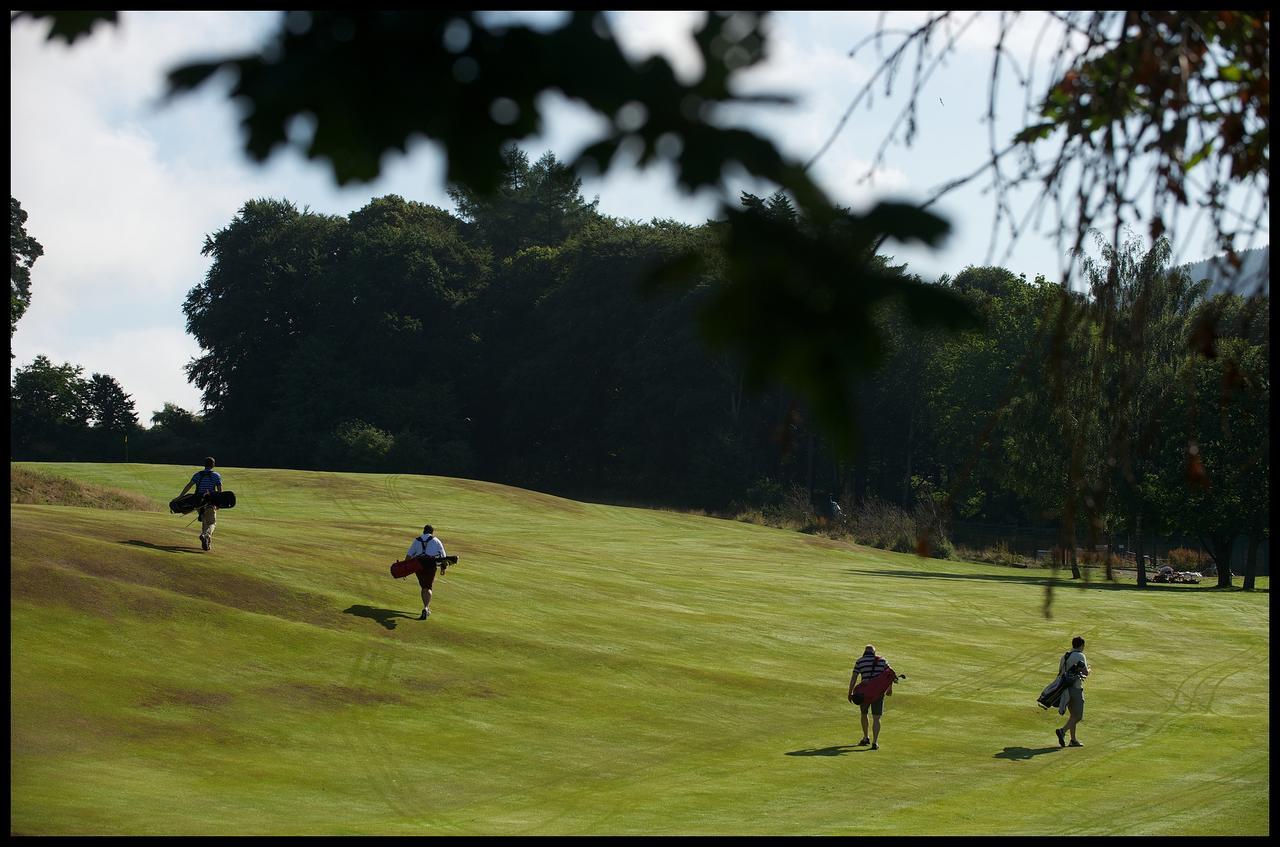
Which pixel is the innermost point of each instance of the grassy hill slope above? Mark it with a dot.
(589, 670)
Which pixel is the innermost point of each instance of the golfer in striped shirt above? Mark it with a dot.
(206, 482)
(869, 666)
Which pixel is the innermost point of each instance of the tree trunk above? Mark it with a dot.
(1251, 561)
(1220, 547)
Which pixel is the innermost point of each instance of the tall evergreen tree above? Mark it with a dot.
(534, 205)
(109, 407)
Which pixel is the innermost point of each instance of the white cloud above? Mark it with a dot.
(854, 183)
(148, 365)
(120, 215)
(121, 194)
(669, 34)
(146, 362)
(88, 168)
(644, 195)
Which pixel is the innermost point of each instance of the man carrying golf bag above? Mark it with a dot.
(206, 482)
(428, 547)
(1073, 668)
(868, 667)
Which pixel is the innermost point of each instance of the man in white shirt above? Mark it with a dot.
(428, 546)
(1075, 665)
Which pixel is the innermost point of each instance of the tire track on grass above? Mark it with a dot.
(335, 492)
(393, 488)
(373, 669)
(1182, 700)
(370, 753)
(1181, 705)
(965, 682)
(1190, 795)
(1217, 686)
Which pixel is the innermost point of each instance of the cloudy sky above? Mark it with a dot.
(121, 190)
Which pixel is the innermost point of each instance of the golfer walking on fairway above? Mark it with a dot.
(1073, 660)
(429, 546)
(869, 666)
(206, 482)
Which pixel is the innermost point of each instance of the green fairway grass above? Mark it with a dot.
(590, 669)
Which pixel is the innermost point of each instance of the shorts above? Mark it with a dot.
(426, 576)
(877, 708)
(1075, 703)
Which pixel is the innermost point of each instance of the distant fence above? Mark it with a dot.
(1031, 542)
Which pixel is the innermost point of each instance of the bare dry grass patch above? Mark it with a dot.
(39, 489)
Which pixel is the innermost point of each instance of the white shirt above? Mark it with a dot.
(1069, 661)
(420, 546)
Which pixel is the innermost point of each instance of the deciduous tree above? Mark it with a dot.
(23, 252)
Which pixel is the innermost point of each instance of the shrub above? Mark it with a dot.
(362, 446)
(1099, 559)
(940, 547)
(789, 509)
(1185, 558)
(931, 528)
(876, 523)
(873, 523)
(797, 510)
(764, 492)
(1000, 554)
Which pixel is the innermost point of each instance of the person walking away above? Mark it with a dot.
(869, 666)
(206, 482)
(427, 545)
(1074, 666)
(837, 514)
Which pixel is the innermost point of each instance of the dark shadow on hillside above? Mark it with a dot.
(386, 617)
(838, 750)
(1045, 580)
(167, 548)
(1023, 753)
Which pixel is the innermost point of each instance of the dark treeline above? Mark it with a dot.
(524, 340)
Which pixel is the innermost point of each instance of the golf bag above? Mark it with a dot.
(190, 502)
(1058, 692)
(223, 499)
(186, 503)
(401, 569)
(871, 690)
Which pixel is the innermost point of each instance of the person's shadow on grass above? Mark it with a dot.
(386, 617)
(166, 548)
(1023, 753)
(837, 750)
